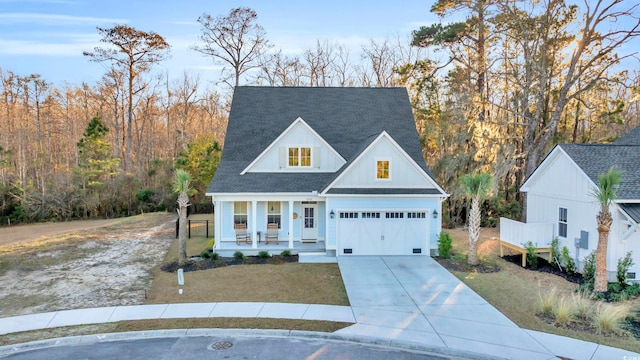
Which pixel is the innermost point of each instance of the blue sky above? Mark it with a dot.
(48, 36)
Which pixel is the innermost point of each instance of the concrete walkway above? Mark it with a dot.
(394, 300)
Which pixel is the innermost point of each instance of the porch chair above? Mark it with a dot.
(272, 233)
(241, 234)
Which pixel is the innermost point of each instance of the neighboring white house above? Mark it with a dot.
(340, 170)
(559, 194)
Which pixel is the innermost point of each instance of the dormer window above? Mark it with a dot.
(383, 170)
(300, 157)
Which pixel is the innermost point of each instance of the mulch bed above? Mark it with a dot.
(461, 265)
(198, 263)
(546, 267)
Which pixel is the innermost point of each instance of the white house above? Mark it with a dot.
(339, 170)
(559, 194)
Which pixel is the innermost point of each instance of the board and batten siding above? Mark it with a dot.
(402, 172)
(276, 159)
(562, 184)
(338, 204)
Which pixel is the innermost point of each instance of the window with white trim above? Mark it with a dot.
(394, 215)
(382, 169)
(348, 215)
(239, 212)
(299, 156)
(416, 215)
(273, 213)
(371, 215)
(562, 222)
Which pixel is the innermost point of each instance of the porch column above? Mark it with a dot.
(217, 223)
(254, 230)
(290, 224)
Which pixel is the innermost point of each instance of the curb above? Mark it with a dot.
(297, 334)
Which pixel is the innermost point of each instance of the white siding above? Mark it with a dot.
(299, 136)
(402, 171)
(560, 183)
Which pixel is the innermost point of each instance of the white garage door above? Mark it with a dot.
(383, 232)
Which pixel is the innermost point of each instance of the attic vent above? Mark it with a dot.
(417, 250)
(348, 251)
(631, 275)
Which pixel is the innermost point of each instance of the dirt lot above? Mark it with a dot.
(81, 264)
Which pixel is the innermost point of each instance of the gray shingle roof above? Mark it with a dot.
(347, 118)
(630, 138)
(595, 159)
(633, 210)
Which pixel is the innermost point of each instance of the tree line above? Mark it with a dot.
(492, 93)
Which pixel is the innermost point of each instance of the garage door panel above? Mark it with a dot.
(383, 233)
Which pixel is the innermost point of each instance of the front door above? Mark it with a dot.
(309, 222)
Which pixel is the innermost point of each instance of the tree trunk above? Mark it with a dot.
(183, 202)
(474, 231)
(604, 225)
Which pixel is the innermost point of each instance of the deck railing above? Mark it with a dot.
(518, 233)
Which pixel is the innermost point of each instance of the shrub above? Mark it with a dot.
(623, 268)
(285, 253)
(445, 243)
(263, 254)
(206, 253)
(589, 270)
(238, 255)
(212, 243)
(532, 256)
(547, 302)
(555, 252)
(608, 317)
(567, 260)
(458, 258)
(564, 311)
(214, 256)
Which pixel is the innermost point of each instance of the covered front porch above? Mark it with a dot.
(300, 222)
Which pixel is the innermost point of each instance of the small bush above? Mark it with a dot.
(567, 260)
(459, 258)
(547, 302)
(445, 243)
(206, 253)
(263, 254)
(589, 270)
(238, 255)
(555, 257)
(212, 243)
(214, 256)
(623, 268)
(532, 256)
(285, 253)
(610, 318)
(564, 311)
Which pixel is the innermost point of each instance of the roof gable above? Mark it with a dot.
(630, 138)
(595, 159)
(299, 133)
(404, 172)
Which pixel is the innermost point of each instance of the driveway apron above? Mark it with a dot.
(413, 298)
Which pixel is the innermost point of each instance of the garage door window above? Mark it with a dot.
(416, 215)
(394, 215)
(348, 215)
(371, 215)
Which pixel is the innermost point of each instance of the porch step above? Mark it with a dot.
(316, 258)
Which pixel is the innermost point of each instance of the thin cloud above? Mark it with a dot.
(54, 19)
(39, 48)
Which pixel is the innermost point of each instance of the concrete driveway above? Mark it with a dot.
(413, 298)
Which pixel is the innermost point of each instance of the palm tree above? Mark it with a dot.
(605, 194)
(181, 186)
(477, 188)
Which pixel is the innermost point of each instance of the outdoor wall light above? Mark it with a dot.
(332, 214)
(435, 214)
